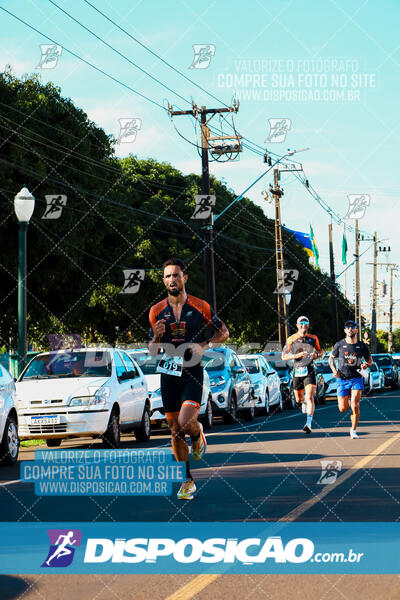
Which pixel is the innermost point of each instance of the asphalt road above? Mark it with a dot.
(264, 470)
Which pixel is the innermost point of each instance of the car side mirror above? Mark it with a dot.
(236, 370)
(126, 375)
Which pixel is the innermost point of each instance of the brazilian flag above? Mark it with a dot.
(344, 247)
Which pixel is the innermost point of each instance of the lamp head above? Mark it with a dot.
(24, 205)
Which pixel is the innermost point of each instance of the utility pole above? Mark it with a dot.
(280, 275)
(392, 267)
(390, 335)
(283, 305)
(208, 256)
(373, 315)
(335, 327)
(357, 299)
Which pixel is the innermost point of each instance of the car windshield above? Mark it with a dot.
(251, 365)
(275, 359)
(213, 361)
(146, 362)
(280, 370)
(323, 368)
(55, 365)
(383, 361)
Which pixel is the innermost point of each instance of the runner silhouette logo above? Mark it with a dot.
(62, 547)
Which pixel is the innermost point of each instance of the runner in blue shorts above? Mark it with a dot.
(352, 355)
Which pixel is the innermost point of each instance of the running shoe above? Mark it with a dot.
(199, 447)
(307, 428)
(187, 490)
(353, 434)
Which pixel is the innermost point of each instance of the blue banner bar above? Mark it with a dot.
(195, 548)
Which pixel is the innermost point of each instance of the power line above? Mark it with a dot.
(83, 59)
(126, 206)
(316, 196)
(117, 51)
(173, 68)
(111, 76)
(154, 53)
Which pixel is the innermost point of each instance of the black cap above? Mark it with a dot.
(350, 323)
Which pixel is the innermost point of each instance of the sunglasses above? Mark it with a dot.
(351, 327)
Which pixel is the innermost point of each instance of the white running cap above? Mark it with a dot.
(303, 319)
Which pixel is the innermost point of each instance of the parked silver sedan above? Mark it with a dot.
(265, 381)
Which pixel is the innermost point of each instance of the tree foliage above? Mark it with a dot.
(129, 213)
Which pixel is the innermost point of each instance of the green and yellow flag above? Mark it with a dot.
(344, 246)
(314, 246)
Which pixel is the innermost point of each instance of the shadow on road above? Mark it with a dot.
(12, 587)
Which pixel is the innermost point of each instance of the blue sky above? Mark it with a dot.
(298, 46)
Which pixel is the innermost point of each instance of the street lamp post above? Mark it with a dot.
(24, 204)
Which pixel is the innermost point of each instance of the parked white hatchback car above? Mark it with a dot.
(266, 382)
(376, 378)
(80, 393)
(148, 364)
(9, 443)
(330, 380)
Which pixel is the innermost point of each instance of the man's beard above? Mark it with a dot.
(174, 292)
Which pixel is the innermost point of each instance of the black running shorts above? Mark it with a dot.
(299, 383)
(176, 390)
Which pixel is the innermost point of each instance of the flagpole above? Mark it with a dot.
(344, 258)
(335, 328)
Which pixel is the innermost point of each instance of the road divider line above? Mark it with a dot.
(196, 585)
(188, 591)
(302, 508)
(10, 482)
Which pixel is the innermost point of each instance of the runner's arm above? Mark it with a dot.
(367, 356)
(331, 361)
(287, 353)
(317, 352)
(220, 336)
(157, 330)
(216, 325)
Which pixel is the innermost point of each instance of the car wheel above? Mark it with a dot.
(112, 435)
(289, 399)
(279, 406)
(230, 414)
(53, 442)
(142, 433)
(10, 443)
(207, 419)
(322, 399)
(267, 409)
(249, 413)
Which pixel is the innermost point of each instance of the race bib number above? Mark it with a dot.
(171, 365)
(300, 371)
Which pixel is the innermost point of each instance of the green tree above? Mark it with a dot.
(129, 213)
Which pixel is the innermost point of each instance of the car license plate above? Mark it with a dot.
(46, 420)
